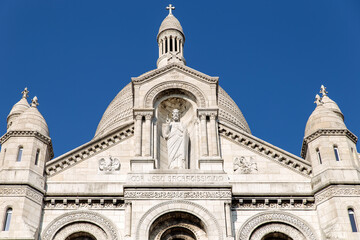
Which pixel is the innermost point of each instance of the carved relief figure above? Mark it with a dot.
(243, 165)
(109, 164)
(177, 141)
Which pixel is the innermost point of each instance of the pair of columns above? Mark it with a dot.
(208, 133)
(143, 128)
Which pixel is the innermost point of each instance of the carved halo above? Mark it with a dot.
(257, 221)
(81, 217)
(191, 89)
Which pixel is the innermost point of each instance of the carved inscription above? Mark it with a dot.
(179, 194)
(179, 178)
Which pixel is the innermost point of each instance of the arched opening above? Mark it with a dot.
(165, 104)
(177, 226)
(81, 236)
(276, 236)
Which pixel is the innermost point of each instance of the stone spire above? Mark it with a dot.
(171, 40)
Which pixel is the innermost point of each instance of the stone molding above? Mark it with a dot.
(35, 134)
(177, 194)
(212, 226)
(87, 150)
(265, 149)
(282, 205)
(257, 220)
(143, 112)
(211, 112)
(21, 191)
(337, 191)
(326, 132)
(199, 234)
(187, 70)
(277, 227)
(154, 91)
(92, 229)
(80, 217)
(83, 205)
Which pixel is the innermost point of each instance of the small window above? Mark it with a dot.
(7, 219)
(318, 155)
(336, 152)
(19, 154)
(37, 157)
(352, 219)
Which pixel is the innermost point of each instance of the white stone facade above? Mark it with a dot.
(234, 185)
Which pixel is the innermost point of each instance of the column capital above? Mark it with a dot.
(211, 112)
(143, 112)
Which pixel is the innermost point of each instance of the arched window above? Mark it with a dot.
(7, 219)
(20, 152)
(37, 157)
(336, 152)
(318, 155)
(80, 236)
(352, 219)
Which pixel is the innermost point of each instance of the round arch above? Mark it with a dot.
(86, 220)
(153, 93)
(212, 226)
(254, 224)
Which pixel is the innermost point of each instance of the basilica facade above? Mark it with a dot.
(173, 158)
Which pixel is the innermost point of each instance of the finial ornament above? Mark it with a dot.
(34, 102)
(170, 8)
(25, 93)
(318, 100)
(323, 91)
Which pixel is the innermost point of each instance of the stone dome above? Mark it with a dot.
(30, 120)
(324, 117)
(120, 112)
(17, 109)
(170, 22)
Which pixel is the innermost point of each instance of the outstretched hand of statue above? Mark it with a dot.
(168, 120)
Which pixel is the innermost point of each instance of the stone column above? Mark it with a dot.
(228, 219)
(203, 138)
(168, 44)
(128, 215)
(147, 135)
(181, 48)
(137, 133)
(213, 137)
(173, 40)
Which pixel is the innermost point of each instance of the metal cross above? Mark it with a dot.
(170, 8)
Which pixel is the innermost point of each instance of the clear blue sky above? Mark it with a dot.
(271, 57)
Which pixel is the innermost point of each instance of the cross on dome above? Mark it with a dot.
(34, 102)
(170, 8)
(323, 90)
(25, 93)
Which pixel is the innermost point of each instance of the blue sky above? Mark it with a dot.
(271, 57)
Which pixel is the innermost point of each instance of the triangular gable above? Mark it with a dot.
(266, 149)
(184, 69)
(88, 150)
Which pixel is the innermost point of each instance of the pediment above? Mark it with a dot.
(267, 150)
(88, 150)
(178, 68)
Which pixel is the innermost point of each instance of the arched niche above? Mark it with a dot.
(164, 104)
(80, 222)
(200, 223)
(177, 87)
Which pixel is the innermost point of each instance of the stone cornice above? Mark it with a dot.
(21, 191)
(337, 191)
(151, 74)
(326, 132)
(35, 134)
(87, 150)
(284, 158)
